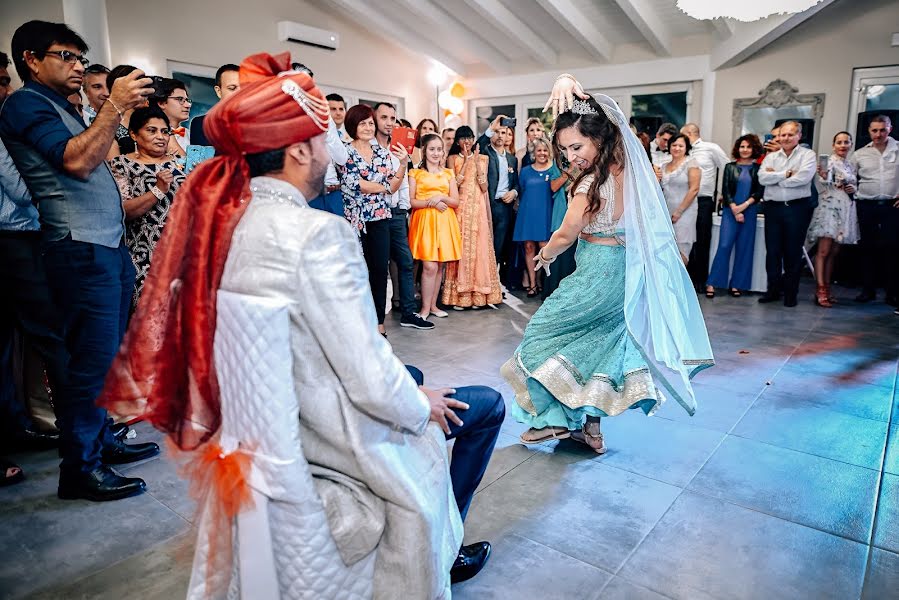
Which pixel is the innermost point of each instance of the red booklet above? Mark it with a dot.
(404, 136)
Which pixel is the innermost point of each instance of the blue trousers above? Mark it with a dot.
(332, 203)
(91, 286)
(739, 238)
(475, 439)
(402, 256)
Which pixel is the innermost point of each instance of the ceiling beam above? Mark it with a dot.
(432, 14)
(643, 16)
(503, 19)
(578, 25)
(723, 28)
(372, 20)
(749, 38)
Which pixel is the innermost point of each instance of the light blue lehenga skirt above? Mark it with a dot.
(577, 357)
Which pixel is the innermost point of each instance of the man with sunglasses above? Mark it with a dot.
(89, 274)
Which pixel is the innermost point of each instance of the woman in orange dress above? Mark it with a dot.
(473, 281)
(434, 235)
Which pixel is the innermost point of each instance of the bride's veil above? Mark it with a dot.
(660, 305)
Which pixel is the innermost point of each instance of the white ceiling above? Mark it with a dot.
(487, 38)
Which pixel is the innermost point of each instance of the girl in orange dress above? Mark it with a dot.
(434, 235)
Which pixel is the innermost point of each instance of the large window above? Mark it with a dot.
(875, 91)
(649, 111)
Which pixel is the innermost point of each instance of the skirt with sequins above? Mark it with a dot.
(577, 357)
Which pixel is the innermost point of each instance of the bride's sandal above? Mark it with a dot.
(537, 436)
(591, 436)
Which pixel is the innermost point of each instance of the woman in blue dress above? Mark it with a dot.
(538, 181)
(625, 327)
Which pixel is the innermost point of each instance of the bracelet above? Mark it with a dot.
(156, 191)
(121, 114)
(544, 259)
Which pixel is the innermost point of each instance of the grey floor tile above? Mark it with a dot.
(818, 492)
(886, 531)
(718, 408)
(708, 548)
(789, 422)
(622, 589)
(882, 578)
(508, 454)
(860, 399)
(158, 573)
(520, 567)
(857, 366)
(165, 484)
(77, 537)
(591, 512)
(891, 464)
(665, 450)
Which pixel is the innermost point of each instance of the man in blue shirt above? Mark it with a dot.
(88, 269)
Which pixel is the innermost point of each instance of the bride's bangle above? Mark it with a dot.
(543, 258)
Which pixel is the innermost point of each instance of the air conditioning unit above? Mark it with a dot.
(288, 31)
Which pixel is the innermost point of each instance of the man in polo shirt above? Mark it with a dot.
(877, 200)
(787, 176)
(88, 268)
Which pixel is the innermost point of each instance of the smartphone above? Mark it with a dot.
(404, 136)
(768, 137)
(508, 122)
(196, 155)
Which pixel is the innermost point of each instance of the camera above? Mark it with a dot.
(508, 122)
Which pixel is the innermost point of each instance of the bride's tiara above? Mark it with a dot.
(582, 107)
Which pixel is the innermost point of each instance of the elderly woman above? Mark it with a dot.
(367, 180)
(147, 178)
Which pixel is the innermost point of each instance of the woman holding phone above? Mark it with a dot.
(834, 221)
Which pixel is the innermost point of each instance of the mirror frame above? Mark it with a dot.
(778, 94)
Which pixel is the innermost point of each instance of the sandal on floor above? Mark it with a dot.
(537, 436)
(532, 292)
(594, 440)
(710, 293)
(17, 477)
(736, 293)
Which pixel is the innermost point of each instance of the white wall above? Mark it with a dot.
(211, 33)
(818, 56)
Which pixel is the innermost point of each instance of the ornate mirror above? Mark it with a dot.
(779, 101)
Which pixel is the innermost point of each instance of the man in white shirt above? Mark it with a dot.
(877, 200)
(711, 159)
(95, 90)
(787, 176)
(502, 181)
(337, 106)
(400, 204)
(658, 147)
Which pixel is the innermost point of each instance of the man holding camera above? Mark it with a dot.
(502, 178)
(89, 270)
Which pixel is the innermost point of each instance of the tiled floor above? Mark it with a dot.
(784, 485)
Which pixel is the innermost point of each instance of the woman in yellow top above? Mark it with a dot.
(434, 235)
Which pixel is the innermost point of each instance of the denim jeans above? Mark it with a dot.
(475, 439)
(92, 286)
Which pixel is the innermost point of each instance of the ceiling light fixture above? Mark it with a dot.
(742, 10)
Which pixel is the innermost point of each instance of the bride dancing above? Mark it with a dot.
(625, 327)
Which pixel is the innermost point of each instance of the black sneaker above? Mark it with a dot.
(414, 320)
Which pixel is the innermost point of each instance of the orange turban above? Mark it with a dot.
(165, 370)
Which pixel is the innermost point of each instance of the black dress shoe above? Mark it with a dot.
(120, 453)
(866, 296)
(768, 297)
(119, 431)
(892, 300)
(99, 485)
(30, 439)
(790, 302)
(470, 561)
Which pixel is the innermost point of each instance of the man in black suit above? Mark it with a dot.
(227, 81)
(502, 181)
